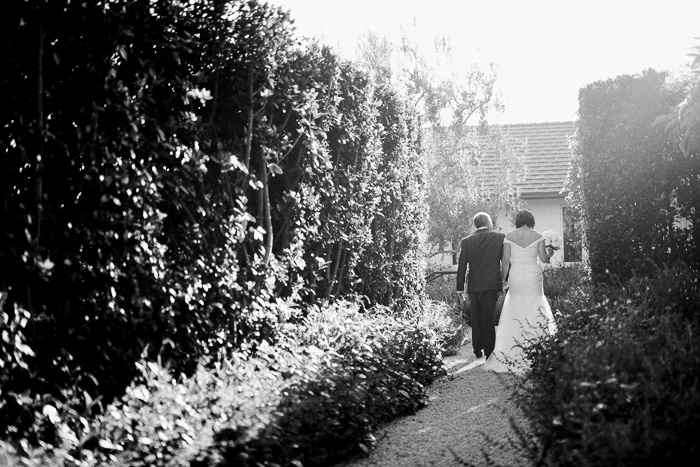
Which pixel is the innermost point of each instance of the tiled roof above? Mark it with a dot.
(547, 156)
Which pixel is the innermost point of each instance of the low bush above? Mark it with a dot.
(446, 322)
(313, 398)
(561, 284)
(443, 289)
(618, 384)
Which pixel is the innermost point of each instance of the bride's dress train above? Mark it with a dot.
(526, 314)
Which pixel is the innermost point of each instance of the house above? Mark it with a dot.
(546, 157)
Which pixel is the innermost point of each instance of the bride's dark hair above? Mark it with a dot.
(524, 217)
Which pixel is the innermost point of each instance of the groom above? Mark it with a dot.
(481, 251)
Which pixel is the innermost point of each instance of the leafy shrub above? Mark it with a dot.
(447, 321)
(181, 187)
(314, 397)
(376, 368)
(44, 416)
(618, 384)
(443, 289)
(560, 284)
(630, 179)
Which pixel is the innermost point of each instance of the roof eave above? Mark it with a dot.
(542, 194)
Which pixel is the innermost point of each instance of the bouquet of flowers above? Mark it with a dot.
(552, 239)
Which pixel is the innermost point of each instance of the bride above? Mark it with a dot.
(526, 313)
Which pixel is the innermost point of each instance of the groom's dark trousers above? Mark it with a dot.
(480, 254)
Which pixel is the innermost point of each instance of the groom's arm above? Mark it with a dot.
(462, 266)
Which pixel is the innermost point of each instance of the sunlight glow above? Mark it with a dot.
(544, 50)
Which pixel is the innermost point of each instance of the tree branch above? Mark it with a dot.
(39, 183)
(266, 215)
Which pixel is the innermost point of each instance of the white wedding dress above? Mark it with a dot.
(526, 314)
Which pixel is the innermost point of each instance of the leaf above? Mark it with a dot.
(23, 348)
(51, 413)
(109, 446)
(275, 169)
(122, 51)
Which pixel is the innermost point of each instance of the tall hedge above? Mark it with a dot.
(392, 271)
(99, 161)
(179, 178)
(349, 198)
(626, 176)
(683, 126)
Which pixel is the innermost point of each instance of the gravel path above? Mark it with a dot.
(467, 407)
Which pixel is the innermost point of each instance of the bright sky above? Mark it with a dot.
(544, 50)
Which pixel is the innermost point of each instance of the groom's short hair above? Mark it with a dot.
(482, 219)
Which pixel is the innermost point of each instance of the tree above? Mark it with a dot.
(460, 185)
(453, 106)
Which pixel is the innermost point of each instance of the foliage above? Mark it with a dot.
(372, 207)
(313, 398)
(94, 141)
(392, 269)
(615, 385)
(444, 321)
(349, 201)
(442, 290)
(441, 90)
(560, 284)
(449, 98)
(375, 370)
(627, 177)
(177, 180)
(684, 122)
(683, 127)
(459, 185)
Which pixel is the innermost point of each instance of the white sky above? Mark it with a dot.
(544, 50)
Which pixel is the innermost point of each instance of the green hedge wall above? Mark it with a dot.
(626, 176)
(180, 179)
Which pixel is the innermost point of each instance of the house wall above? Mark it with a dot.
(548, 215)
(547, 212)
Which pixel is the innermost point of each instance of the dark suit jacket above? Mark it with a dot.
(482, 251)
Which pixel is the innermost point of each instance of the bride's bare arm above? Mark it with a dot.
(505, 261)
(544, 253)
